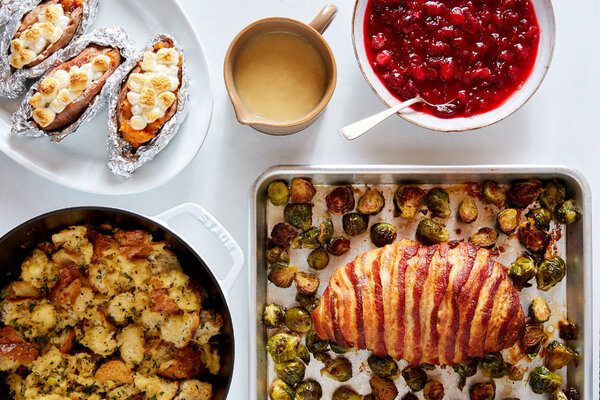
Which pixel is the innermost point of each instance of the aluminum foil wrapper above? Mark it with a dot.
(22, 119)
(122, 160)
(8, 8)
(13, 81)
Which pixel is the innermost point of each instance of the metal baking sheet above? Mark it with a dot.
(567, 299)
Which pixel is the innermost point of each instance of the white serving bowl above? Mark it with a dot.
(545, 16)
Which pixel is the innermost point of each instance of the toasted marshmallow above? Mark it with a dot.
(46, 30)
(75, 93)
(148, 98)
(44, 117)
(39, 46)
(64, 96)
(62, 77)
(167, 56)
(57, 106)
(37, 101)
(49, 87)
(133, 98)
(31, 35)
(138, 123)
(63, 21)
(160, 82)
(136, 82)
(52, 14)
(166, 100)
(101, 63)
(16, 46)
(22, 58)
(56, 34)
(78, 79)
(148, 61)
(174, 84)
(137, 109)
(152, 114)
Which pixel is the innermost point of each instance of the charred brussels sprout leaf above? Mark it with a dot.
(282, 347)
(484, 237)
(572, 394)
(539, 310)
(314, 343)
(282, 276)
(568, 212)
(532, 237)
(508, 220)
(280, 390)
(432, 231)
(409, 200)
(433, 390)
(307, 239)
(567, 330)
(383, 234)
(308, 302)
(384, 367)
(325, 232)
(278, 255)
(532, 339)
(278, 193)
(483, 391)
(303, 353)
(338, 246)
(415, 378)
(341, 200)
(521, 271)
(318, 259)
(309, 390)
(438, 202)
(272, 316)
(550, 272)
(493, 366)
(298, 320)
(322, 357)
(282, 234)
(384, 389)
(493, 193)
(465, 370)
(467, 210)
(298, 215)
(524, 193)
(542, 380)
(541, 217)
(371, 202)
(552, 196)
(292, 372)
(339, 369)
(306, 283)
(427, 366)
(558, 395)
(345, 393)
(355, 223)
(302, 191)
(558, 355)
(337, 349)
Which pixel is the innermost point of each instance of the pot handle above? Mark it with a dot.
(213, 226)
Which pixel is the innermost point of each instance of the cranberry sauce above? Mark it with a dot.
(477, 52)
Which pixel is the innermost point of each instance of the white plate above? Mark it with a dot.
(79, 162)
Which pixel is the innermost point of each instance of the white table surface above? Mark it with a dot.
(559, 125)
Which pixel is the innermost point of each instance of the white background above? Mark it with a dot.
(559, 125)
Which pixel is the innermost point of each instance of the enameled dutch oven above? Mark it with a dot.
(18, 243)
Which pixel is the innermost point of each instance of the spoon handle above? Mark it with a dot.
(352, 131)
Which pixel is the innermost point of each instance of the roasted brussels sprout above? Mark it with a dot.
(292, 372)
(532, 339)
(298, 320)
(345, 393)
(278, 255)
(483, 391)
(465, 370)
(539, 310)
(325, 232)
(493, 365)
(272, 316)
(567, 330)
(306, 283)
(278, 193)
(308, 302)
(493, 193)
(318, 259)
(438, 202)
(302, 191)
(467, 210)
(521, 271)
(282, 347)
(508, 220)
(282, 234)
(384, 367)
(409, 396)
(524, 193)
(371, 202)
(307, 239)
(552, 196)
(484, 237)
(409, 200)
(303, 353)
(542, 380)
(432, 231)
(558, 395)
(355, 223)
(282, 276)
(338, 246)
(309, 390)
(339, 369)
(314, 343)
(433, 390)
(558, 355)
(550, 272)
(383, 234)
(322, 357)
(572, 394)
(280, 390)
(532, 237)
(298, 215)
(384, 389)
(341, 200)
(427, 366)
(541, 217)
(415, 378)
(337, 349)
(568, 212)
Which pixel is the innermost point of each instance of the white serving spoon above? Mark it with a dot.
(352, 131)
